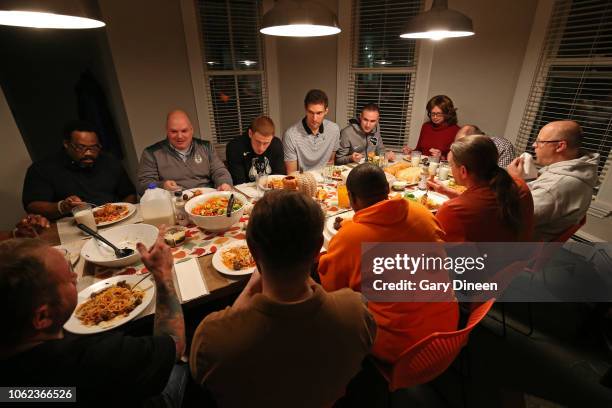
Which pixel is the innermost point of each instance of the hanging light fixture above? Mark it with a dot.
(67, 14)
(299, 18)
(438, 23)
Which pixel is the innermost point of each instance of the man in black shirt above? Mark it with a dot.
(256, 150)
(38, 295)
(80, 172)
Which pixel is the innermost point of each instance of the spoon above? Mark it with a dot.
(119, 253)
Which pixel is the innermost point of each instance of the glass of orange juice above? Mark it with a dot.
(343, 198)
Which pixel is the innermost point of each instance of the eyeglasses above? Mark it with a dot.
(83, 148)
(537, 142)
(436, 114)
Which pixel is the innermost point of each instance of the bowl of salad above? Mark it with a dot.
(209, 210)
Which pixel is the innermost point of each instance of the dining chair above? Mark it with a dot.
(431, 356)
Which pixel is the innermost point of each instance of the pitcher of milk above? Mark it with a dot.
(156, 206)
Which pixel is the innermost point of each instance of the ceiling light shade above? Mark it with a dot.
(438, 23)
(299, 18)
(66, 14)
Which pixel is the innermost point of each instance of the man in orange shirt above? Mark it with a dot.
(495, 207)
(378, 219)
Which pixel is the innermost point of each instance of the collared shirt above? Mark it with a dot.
(183, 154)
(309, 150)
(505, 149)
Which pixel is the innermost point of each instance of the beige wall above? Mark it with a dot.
(147, 44)
(304, 64)
(15, 159)
(480, 73)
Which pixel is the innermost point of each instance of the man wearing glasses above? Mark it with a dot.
(563, 190)
(81, 172)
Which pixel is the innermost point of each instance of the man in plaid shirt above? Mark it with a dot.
(504, 147)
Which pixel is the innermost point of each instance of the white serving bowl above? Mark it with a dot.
(216, 222)
(124, 236)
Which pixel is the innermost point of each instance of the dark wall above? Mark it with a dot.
(38, 73)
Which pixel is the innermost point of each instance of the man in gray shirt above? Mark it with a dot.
(180, 161)
(361, 137)
(312, 142)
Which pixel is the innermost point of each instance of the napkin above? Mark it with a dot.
(530, 170)
(191, 284)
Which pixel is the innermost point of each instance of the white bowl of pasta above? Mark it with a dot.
(208, 211)
(124, 236)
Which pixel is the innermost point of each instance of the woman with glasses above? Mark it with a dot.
(439, 132)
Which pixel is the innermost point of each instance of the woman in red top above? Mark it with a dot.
(494, 208)
(439, 133)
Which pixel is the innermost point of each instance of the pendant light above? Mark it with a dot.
(299, 18)
(438, 23)
(63, 14)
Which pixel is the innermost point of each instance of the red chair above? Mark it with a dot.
(431, 356)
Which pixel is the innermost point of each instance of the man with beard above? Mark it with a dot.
(81, 172)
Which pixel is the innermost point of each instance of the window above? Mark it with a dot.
(574, 77)
(383, 65)
(233, 64)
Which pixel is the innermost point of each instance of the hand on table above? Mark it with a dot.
(224, 187)
(31, 226)
(407, 150)
(517, 167)
(442, 189)
(170, 185)
(390, 155)
(435, 152)
(356, 157)
(67, 204)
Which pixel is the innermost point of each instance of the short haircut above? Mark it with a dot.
(572, 135)
(446, 105)
(263, 125)
(476, 130)
(368, 183)
(78, 126)
(25, 284)
(372, 107)
(285, 231)
(315, 97)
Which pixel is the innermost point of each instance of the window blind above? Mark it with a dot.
(383, 65)
(574, 77)
(233, 64)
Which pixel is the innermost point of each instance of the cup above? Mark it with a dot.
(83, 214)
(443, 173)
(433, 168)
(343, 198)
(415, 158)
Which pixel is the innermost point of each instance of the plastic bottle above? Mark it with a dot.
(156, 206)
(179, 209)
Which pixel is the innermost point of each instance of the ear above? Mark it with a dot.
(250, 133)
(42, 318)
(561, 146)
(463, 171)
(66, 144)
(326, 110)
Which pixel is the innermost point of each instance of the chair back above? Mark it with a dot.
(431, 356)
(567, 234)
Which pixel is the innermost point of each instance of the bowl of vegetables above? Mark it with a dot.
(209, 211)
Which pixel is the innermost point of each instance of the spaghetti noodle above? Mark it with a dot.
(105, 305)
(238, 258)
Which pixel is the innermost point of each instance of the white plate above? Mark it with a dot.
(191, 191)
(329, 223)
(131, 210)
(74, 325)
(220, 266)
(435, 197)
(268, 178)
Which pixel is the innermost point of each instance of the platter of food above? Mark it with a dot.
(432, 200)
(111, 213)
(405, 172)
(194, 192)
(234, 258)
(110, 303)
(272, 182)
(333, 224)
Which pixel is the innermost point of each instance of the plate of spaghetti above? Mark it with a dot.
(110, 303)
(234, 258)
(112, 212)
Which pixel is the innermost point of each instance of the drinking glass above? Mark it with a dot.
(83, 214)
(343, 198)
(415, 158)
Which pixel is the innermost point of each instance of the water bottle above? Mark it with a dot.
(156, 206)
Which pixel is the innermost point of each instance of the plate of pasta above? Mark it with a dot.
(234, 258)
(110, 303)
(111, 213)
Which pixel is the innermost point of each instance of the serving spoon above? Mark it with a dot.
(119, 253)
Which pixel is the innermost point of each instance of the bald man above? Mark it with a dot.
(180, 161)
(563, 190)
(505, 149)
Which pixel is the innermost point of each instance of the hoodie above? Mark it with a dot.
(353, 139)
(400, 324)
(562, 194)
